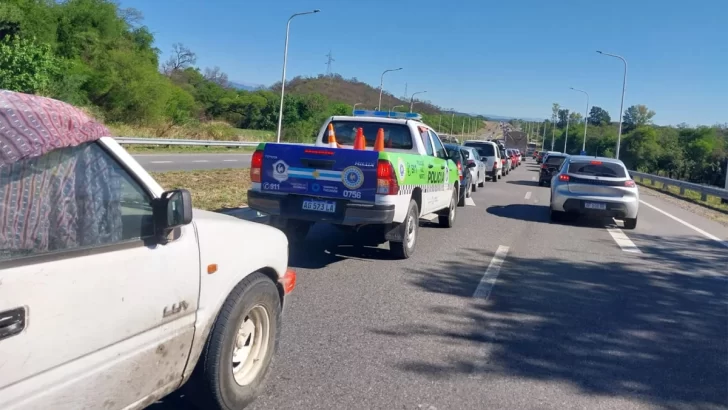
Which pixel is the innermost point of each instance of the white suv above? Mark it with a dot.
(490, 154)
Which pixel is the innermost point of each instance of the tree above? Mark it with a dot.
(563, 115)
(26, 66)
(216, 76)
(181, 58)
(599, 116)
(636, 116)
(575, 118)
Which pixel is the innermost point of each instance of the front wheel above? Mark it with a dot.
(410, 226)
(448, 220)
(232, 368)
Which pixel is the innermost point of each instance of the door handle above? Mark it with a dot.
(12, 322)
(430, 166)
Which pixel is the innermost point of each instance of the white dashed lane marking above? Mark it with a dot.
(160, 162)
(469, 202)
(230, 160)
(201, 160)
(528, 195)
(491, 274)
(623, 241)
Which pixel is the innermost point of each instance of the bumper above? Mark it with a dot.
(614, 208)
(347, 212)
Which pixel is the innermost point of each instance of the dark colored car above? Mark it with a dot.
(550, 166)
(458, 155)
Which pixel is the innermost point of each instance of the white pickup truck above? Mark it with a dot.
(338, 182)
(114, 293)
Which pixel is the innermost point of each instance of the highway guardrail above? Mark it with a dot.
(704, 190)
(192, 143)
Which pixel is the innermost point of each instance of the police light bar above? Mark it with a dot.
(388, 114)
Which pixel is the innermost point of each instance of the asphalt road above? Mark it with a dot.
(510, 311)
(188, 162)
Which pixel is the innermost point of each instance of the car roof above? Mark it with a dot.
(451, 145)
(557, 154)
(479, 142)
(584, 158)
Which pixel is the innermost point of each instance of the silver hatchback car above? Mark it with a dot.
(594, 186)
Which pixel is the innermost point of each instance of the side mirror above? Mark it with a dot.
(471, 165)
(172, 210)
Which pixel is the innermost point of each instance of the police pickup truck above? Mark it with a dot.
(344, 180)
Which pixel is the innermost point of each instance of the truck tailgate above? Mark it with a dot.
(339, 173)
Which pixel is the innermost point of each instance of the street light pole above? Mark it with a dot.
(621, 104)
(553, 132)
(566, 138)
(586, 115)
(439, 122)
(381, 83)
(412, 98)
(393, 108)
(452, 121)
(543, 142)
(283, 77)
(354, 109)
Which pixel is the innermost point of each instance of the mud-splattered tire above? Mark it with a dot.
(410, 228)
(233, 366)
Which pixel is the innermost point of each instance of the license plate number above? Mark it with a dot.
(319, 206)
(595, 205)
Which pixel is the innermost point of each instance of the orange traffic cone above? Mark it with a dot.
(360, 142)
(332, 137)
(379, 142)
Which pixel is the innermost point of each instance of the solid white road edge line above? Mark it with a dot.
(230, 160)
(491, 274)
(693, 227)
(623, 241)
(469, 202)
(528, 195)
(160, 162)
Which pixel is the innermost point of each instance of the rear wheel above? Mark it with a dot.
(406, 248)
(240, 348)
(630, 223)
(474, 187)
(448, 220)
(557, 216)
(463, 192)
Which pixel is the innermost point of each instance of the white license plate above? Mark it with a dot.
(595, 205)
(320, 206)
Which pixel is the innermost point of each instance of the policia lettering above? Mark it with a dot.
(435, 177)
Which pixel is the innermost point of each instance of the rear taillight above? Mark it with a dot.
(495, 165)
(256, 164)
(543, 166)
(629, 183)
(386, 178)
(460, 170)
(563, 178)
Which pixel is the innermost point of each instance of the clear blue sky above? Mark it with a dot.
(510, 58)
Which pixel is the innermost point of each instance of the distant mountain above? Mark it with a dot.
(246, 86)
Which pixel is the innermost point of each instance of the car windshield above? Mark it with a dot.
(597, 169)
(484, 150)
(396, 136)
(555, 160)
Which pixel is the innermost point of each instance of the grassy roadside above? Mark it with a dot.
(211, 189)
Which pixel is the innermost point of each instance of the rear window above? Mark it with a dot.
(396, 136)
(551, 160)
(604, 169)
(484, 150)
(453, 152)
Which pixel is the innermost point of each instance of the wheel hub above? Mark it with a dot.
(251, 345)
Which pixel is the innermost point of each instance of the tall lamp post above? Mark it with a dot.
(621, 104)
(452, 121)
(354, 109)
(381, 83)
(394, 108)
(283, 77)
(412, 98)
(586, 115)
(566, 138)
